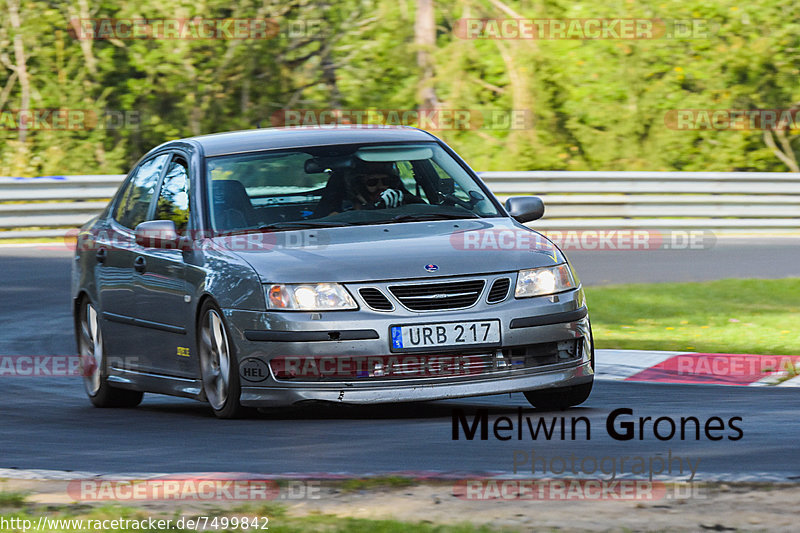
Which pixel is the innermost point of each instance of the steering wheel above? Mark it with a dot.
(449, 199)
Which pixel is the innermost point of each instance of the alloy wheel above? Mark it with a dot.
(91, 352)
(215, 357)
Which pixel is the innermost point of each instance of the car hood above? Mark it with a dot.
(393, 251)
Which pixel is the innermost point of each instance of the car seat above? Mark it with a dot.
(232, 207)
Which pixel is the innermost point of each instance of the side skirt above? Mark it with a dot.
(160, 384)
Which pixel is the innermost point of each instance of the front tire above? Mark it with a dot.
(561, 398)
(93, 363)
(218, 367)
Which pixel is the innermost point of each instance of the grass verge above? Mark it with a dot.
(12, 499)
(727, 316)
(66, 521)
(380, 482)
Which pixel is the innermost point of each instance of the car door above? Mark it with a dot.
(115, 261)
(162, 297)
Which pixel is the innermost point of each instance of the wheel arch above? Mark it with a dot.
(201, 301)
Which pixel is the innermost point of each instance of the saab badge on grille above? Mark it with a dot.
(431, 268)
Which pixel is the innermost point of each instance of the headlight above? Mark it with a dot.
(309, 297)
(542, 281)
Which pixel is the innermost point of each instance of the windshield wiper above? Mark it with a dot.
(300, 224)
(421, 217)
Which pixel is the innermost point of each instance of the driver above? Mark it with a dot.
(377, 186)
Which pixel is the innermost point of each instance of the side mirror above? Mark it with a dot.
(157, 234)
(525, 208)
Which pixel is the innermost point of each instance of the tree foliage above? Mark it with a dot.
(594, 104)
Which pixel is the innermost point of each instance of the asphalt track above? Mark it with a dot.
(49, 424)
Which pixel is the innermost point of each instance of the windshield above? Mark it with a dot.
(341, 185)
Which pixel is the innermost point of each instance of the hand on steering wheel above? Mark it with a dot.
(389, 198)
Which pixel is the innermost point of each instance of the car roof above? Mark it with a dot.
(298, 137)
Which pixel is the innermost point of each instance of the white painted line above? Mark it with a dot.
(794, 382)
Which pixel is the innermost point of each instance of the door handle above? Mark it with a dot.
(140, 265)
(101, 255)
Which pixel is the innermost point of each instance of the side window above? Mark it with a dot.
(406, 172)
(173, 199)
(409, 177)
(133, 205)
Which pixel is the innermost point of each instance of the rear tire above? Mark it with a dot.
(218, 364)
(561, 398)
(93, 363)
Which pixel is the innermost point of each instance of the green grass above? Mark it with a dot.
(334, 524)
(726, 316)
(278, 522)
(40, 240)
(380, 482)
(12, 499)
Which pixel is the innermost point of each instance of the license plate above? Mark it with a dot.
(445, 334)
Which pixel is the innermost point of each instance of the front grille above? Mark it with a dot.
(499, 290)
(375, 299)
(438, 296)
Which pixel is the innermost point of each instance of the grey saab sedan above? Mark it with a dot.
(353, 265)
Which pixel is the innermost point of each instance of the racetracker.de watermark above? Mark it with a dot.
(427, 119)
(55, 119)
(737, 367)
(192, 29)
(582, 29)
(574, 490)
(733, 119)
(513, 240)
(40, 366)
(252, 240)
(401, 366)
(495, 239)
(49, 366)
(193, 489)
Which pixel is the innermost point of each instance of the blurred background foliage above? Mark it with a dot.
(596, 104)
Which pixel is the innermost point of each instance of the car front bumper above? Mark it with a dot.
(526, 324)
